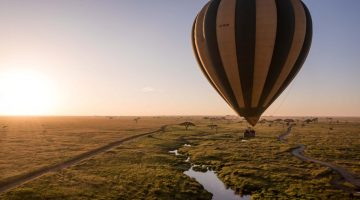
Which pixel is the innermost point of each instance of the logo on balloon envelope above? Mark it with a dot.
(250, 50)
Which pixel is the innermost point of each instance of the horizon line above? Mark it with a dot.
(320, 116)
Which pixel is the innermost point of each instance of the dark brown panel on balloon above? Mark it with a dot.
(203, 54)
(225, 32)
(266, 20)
(296, 46)
(284, 38)
(303, 55)
(245, 45)
(213, 49)
(199, 62)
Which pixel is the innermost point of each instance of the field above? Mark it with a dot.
(28, 143)
(143, 168)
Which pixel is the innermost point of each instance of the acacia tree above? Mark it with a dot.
(137, 119)
(187, 124)
(289, 121)
(315, 120)
(308, 121)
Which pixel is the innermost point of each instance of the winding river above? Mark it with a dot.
(214, 185)
(211, 183)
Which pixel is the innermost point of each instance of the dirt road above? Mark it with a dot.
(19, 180)
(298, 152)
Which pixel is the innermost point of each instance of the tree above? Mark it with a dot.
(308, 121)
(187, 124)
(137, 119)
(289, 121)
(315, 120)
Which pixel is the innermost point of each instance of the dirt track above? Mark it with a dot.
(298, 152)
(19, 180)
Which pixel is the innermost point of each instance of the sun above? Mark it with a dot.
(26, 93)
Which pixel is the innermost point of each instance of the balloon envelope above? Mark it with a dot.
(250, 50)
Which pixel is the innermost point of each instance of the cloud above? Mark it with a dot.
(148, 89)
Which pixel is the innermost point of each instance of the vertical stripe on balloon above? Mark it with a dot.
(266, 20)
(284, 37)
(225, 32)
(296, 46)
(302, 57)
(245, 45)
(204, 56)
(214, 54)
(200, 64)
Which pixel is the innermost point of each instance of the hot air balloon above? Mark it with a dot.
(250, 50)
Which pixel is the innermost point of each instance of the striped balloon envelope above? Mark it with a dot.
(250, 50)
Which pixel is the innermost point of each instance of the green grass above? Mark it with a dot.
(141, 169)
(263, 166)
(339, 146)
(28, 143)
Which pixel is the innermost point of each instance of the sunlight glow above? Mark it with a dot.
(25, 93)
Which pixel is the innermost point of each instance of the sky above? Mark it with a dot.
(134, 57)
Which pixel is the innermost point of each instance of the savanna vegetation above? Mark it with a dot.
(144, 169)
(28, 143)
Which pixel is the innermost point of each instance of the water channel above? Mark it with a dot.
(211, 182)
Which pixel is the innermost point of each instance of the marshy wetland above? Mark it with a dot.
(143, 168)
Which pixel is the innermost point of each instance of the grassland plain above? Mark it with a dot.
(264, 166)
(143, 168)
(28, 143)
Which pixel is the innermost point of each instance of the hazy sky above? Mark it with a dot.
(134, 57)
